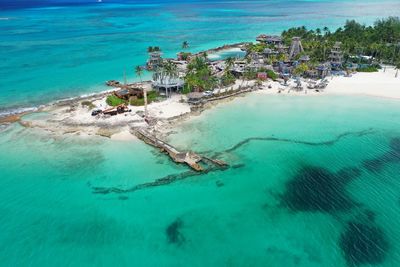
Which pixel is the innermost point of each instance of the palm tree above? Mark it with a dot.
(229, 63)
(185, 45)
(326, 30)
(139, 72)
(171, 70)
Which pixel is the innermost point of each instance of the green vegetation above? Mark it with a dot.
(228, 79)
(380, 41)
(300, 69)
(250, 75)
(199, 77)
(185, 55)
(257, 48)
(114, 101)
(367, 69)
(88, 104)
(153, 49)
(271, 74)
(151, 97)
(139, 72)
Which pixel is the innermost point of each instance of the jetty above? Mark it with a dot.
(185, 157)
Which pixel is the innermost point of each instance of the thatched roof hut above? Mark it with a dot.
(127, 93)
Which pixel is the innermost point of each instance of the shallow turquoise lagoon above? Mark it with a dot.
(309, 177)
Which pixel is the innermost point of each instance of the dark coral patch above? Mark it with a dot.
(363, 244)
(395, 144)
(318, 189)
(173, 232)
(238, 166)
(370, 215)
(392, 156)
(219, 183)
(374, 165)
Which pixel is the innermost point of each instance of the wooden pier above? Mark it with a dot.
(188, 157)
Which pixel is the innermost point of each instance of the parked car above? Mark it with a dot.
(208, 93)
(96, 112)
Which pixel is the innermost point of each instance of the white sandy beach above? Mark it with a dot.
(376, 84)
(379, 84)
(77, 119)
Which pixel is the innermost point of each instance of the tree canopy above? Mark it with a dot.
(381, 40)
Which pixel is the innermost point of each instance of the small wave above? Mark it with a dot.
(16, 111)
(19, 110)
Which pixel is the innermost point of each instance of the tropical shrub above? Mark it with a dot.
(88, 104)
(151, 97)
(114, 101)
(271, 74)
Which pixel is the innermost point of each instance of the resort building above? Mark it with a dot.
(268, 53)
(217, 67)
(166, 84)
(295, 48)
(154, 60)
(128, 93)
(256, 57)
(282, 49)
(324, 70)
(336, 56)
(283, 68)
(239, 67)
(269, 39)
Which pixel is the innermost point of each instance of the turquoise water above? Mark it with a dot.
(263, 211)
(309, 177)
(51, 52)
(224, 54)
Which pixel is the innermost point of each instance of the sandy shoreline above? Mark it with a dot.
(70, 117)
(376, 84)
